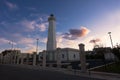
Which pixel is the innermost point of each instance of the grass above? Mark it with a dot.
(111, 68)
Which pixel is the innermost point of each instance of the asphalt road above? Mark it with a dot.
(17, 73)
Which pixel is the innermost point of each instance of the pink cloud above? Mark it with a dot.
(3, 41)
(95, 40)
(76, 33)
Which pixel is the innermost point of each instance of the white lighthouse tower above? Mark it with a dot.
(51, 42)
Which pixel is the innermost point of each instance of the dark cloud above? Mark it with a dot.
(94, 40)
(76, 33)
(69, 36)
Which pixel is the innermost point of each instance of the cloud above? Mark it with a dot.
(63, 43)
(4, 41)
(30, 25)
(94, 40)
(11, 5)
(24, 33)
(42, 26)
(76, 33)
(43, 40)
(26, 41)
(38, 24)
(59, 39)
(42, 23)
(66, 43)
(27, 44)
(3, 23)
(30, 48)
(72, 42)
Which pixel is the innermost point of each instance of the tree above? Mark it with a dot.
(116, 52)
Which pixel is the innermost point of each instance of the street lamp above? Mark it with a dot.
(37, 46)
(110, 39)
(35, 53)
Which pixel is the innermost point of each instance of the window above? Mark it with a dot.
(63, 56)
(74, 56)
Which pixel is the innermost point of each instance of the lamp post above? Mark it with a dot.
(110, 39)
(10, 56)
(35, 53)
(37, 46)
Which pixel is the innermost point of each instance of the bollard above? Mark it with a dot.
(44, 59)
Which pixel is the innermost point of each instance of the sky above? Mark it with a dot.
(77, 21)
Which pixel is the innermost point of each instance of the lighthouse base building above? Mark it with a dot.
(65, 55)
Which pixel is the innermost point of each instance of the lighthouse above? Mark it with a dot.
(51, 41)
(54, 54)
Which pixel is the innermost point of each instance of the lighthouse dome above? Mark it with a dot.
(51, 17)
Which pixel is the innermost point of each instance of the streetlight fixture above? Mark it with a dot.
(11, 43)
(110, 39)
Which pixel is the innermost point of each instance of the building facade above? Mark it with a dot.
(65, 54)
(10, 56)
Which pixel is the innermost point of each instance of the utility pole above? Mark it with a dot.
(110, 39)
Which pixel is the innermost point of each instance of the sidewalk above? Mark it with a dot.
(91, 74)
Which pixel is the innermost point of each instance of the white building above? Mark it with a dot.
(66, 55)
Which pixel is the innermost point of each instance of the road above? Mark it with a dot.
(17, 73)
